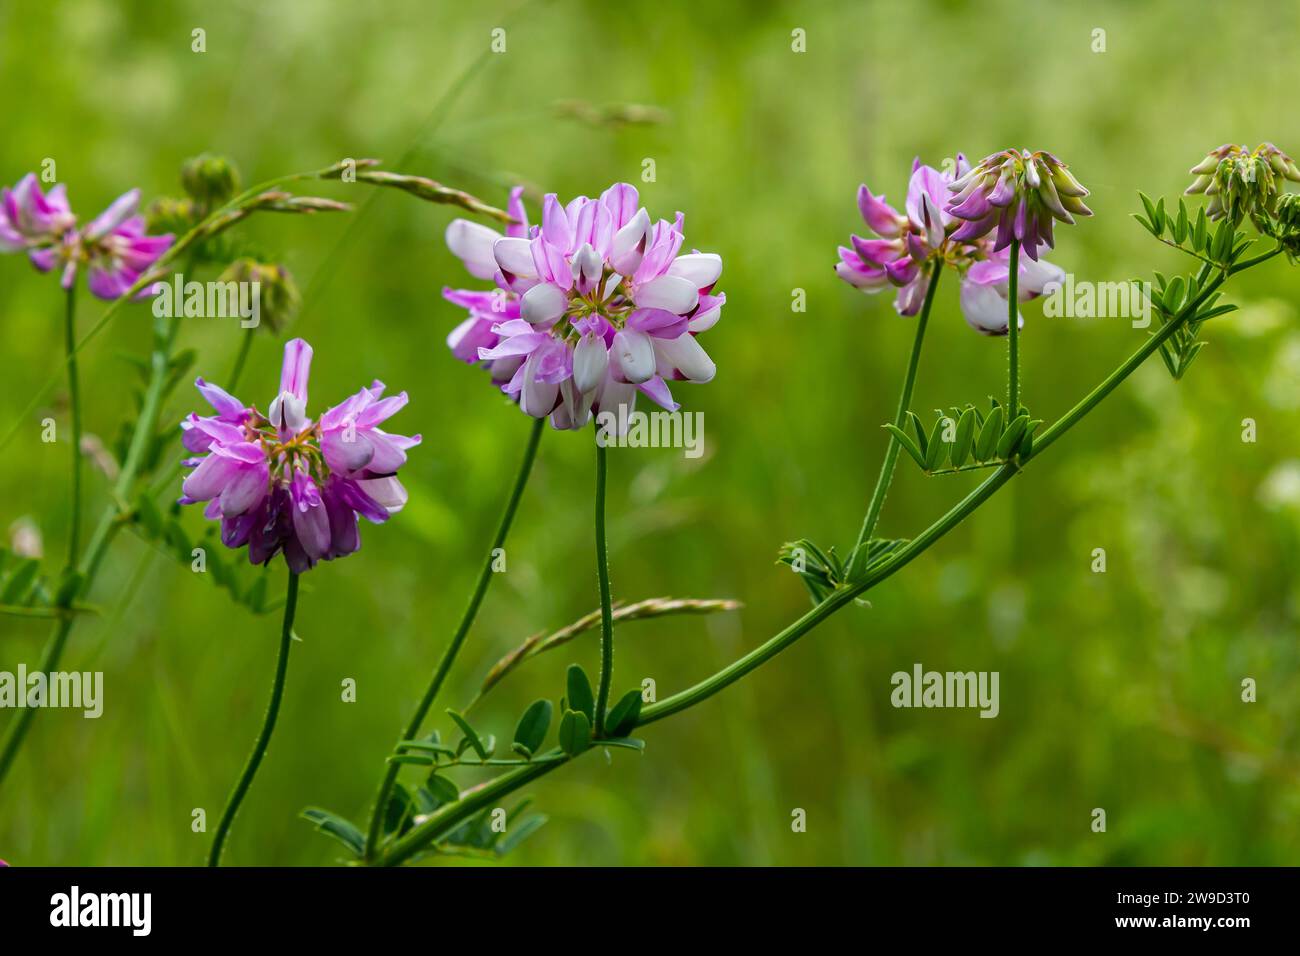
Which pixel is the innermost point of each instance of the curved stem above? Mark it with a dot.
(74, 402)
(1013, 333)
(449, 655)
(606, 611)
(268, 726)
(891, 451)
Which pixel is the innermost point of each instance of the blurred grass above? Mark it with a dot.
(1118, 690)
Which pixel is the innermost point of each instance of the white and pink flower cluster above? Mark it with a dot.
(285, 483)
(590, 307)
(113, 247)
(929, 230)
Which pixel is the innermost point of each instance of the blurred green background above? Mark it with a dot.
(1118, 690)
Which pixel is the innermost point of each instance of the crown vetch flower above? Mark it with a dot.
(1241, 182)
(927, 232)
(281, 482)
(592, 306)
(1020, 194)
(113, 247)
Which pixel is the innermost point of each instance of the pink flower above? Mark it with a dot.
(905, 245)
(592, 306)
(282, 482)
(113, 247)
(1019, 193)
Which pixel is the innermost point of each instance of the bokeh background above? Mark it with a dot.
(1118, 690)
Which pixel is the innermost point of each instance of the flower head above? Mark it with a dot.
(1242, 182)
(113, 247)
(908, 243)
(592, 306)
(282, 482)
(1020, 194)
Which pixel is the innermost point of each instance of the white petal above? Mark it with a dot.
(537, 398)
(984, 309)
(471, 243)
(587, 268)
(515, 256)
(1036, 276)
(543, 304)
(673, 293)
(635, 355)
(590, 359)
(700, 269)
(619, 400)
(630, 242)
(686, 355)
(387, 491)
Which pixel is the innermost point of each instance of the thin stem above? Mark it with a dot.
(447, 818)
(152, 275)
(1013, 333)
(268, 726)
(109, 522)
(765, 652)
(1263, 257)
(606, 610)
(466, 621)
(16, 732)
(1112, 381)
(74, 402)
(232, 380)
(891, 451)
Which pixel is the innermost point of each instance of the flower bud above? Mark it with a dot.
(1241, 182)
(166, 214)
(278, 294)
(209, 180)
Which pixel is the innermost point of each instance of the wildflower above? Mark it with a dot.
(592, 306)
(1241, 182)
(1020, 194)
(281, 482)
(114, 247)
(908, 243)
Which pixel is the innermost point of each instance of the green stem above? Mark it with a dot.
(152, 275)
(891, 451)
(1013, 333)
(268, 726)
(109, 522)
(446, 818)
(449, 655)
(606, 609)
(232, 381)
(74, 402)
(1111, 381)
(765, 652)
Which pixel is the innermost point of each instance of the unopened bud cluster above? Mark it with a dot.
(1240, 182)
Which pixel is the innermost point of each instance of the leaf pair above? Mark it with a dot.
(967, 438)
(1220, 246)
(1170, 297)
